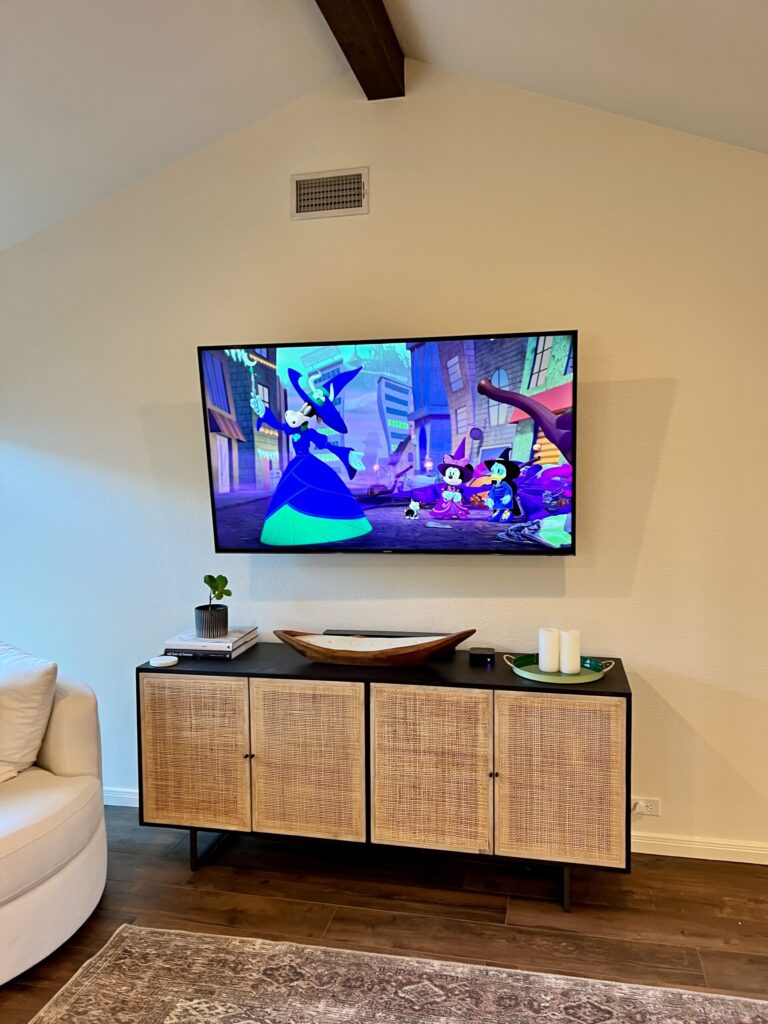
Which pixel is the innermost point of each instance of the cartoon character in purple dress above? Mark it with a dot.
(312, 504)
(454, 471)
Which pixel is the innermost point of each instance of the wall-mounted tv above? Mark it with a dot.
(452, 445)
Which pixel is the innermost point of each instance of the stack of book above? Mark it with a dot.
(235, 643)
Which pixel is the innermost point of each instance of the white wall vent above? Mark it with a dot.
(329, 193)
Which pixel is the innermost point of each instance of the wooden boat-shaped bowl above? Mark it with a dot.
(371, 650)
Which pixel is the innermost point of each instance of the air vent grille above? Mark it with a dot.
(340, 192)
(329, 194)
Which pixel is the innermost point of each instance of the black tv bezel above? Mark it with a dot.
(326, 550)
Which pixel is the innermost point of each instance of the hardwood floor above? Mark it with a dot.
(681, 923)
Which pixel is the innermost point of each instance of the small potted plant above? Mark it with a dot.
(211, 619)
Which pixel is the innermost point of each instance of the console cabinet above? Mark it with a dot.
(195, 742)
(446, 757)
(431, 767)
(308, 758)
(560, 778)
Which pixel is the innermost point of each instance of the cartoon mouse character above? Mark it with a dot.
(412, 511)
(502, 496)
(454, 471)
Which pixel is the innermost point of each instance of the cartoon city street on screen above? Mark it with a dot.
(457, 445)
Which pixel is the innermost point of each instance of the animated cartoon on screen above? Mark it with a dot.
(502, 496)
(412, 509)
(454, 471)
(461, 444)
(556, 428)
(311, 504)
(543, 496)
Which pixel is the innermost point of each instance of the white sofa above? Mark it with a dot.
(53, 847)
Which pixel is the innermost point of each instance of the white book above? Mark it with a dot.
(189, 640)
(206, 652)
(245, 647)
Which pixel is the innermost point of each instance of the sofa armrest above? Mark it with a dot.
(72, 745)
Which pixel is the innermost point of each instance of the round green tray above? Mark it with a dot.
(527, 666)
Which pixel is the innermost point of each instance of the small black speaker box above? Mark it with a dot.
(482, 657)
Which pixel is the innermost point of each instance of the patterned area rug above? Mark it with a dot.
(153, 976)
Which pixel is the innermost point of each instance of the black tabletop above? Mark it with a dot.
(276, 661)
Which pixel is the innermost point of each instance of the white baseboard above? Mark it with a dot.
(642, 842)
(700, 847)
(121, 797)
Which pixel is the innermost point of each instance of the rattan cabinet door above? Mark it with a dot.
(195, 767)
(308, 769)
(561, 783)
(431, 760)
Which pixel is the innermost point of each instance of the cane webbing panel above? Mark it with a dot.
(560, 791)
(309, 758)
(431, 754)
(194, 747)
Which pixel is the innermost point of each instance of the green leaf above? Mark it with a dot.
(226, 593)
(222, 581)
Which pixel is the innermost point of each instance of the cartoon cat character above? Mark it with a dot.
(412, 511)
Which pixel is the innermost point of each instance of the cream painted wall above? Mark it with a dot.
(491, 209)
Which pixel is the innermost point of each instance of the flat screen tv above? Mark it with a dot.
(459, 445)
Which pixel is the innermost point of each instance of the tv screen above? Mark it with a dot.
(437, 445)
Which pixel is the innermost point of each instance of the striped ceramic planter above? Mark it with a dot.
(211, 621)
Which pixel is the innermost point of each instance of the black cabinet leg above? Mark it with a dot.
(566, 888)
(196, 858)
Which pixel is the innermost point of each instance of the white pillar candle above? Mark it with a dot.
(570, 652)
(549, 650)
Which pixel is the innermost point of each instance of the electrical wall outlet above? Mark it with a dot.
(647, 805)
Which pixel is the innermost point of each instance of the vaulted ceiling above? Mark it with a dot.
(94, 94)
(700, 66)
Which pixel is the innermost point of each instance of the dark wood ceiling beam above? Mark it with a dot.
(365, 34)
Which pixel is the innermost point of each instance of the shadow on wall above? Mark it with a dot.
(623, 429)
(673, 714)
(174, 443)
(179, 517)
(622, 434)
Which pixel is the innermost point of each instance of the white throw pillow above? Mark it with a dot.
(26, 696)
